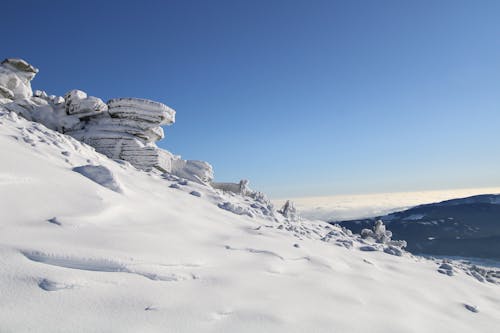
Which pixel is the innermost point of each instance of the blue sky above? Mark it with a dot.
(301, 97)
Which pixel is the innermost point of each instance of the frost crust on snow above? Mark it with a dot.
(123, 128)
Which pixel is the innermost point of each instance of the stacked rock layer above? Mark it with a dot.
(122, 128)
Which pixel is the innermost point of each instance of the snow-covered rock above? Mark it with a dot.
(238, 188)
(141, 110)
(123, 128)
(81, 105)
(289, 211)
(15, 78)
(198, 171)
(381, 235)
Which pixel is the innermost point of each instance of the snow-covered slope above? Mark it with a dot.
(108, 248)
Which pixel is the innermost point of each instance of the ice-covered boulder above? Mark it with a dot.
(15, 79)
(79, 104)
(49, 112)
(198, 171)
(142, 110)
(6, 93)
(125, 128)
(238, 188)
(140, 129)
(289, 211)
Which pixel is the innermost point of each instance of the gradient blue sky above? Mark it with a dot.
(301, 97)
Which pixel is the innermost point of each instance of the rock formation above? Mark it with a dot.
(122, 128)
(238, 188)
(15, 78)
(381, 235)
(289, 211)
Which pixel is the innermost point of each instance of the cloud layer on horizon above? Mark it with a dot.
(345, 207)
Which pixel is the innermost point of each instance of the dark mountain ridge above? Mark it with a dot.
(467, 227)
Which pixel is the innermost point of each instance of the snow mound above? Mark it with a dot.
(101, 175)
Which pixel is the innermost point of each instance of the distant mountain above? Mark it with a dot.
(468, 227)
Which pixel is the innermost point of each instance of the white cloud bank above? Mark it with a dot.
(344, 207)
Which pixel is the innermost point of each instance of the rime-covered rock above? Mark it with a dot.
(78, 103)
(123, 129)
(238, 188)
(198, 171)
(43, 111)
(143, 130)
(141, 110)
(15, 79)
(289, 211)
(6, 93)
(381, 235)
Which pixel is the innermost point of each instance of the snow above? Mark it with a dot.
(101, 175)
(138, 240)
(77, 257)
(414, 217)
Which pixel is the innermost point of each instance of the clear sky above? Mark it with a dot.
(301, 97)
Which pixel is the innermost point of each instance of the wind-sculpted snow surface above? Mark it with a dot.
(101, 175)
(170, 255)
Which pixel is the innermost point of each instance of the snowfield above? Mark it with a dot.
(89, 244)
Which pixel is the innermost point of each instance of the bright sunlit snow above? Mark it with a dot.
(88, 243)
